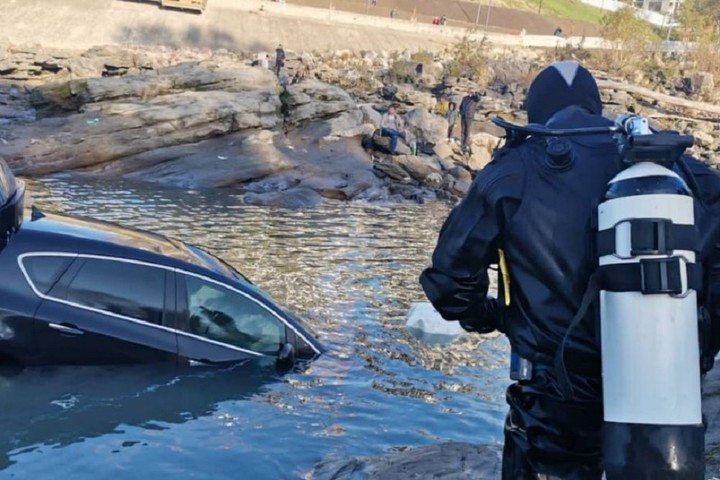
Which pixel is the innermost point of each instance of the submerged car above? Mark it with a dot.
(84, 292)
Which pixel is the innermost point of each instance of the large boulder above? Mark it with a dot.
(371, 115)
(444, 149)
(479, 159)
(346, 124)
(428, 126)
(313, 99)
(113, 131)
(409, 95)
(419, 167)
(338, 170)
(217, 162)
(458, 181)
(383, 144)
(206, 76)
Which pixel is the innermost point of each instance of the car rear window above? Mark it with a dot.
(128, 289)
(44, 272)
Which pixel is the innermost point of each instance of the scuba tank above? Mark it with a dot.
(648, 316)
(646, 283)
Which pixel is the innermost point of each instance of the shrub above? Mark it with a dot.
(630, 36)
(468, 60)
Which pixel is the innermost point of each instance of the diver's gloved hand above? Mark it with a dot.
(488, 317)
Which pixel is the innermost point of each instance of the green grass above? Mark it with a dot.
(572, 9)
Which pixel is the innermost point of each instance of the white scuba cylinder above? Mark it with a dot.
(649, 325)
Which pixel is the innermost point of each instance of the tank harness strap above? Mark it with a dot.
(652, 276)
(588, 299)
(650, 236)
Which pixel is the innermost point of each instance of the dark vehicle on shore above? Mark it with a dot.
(78, 291)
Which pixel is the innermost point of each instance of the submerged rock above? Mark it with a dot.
(293, 198)
(457, 460)
(446, 461)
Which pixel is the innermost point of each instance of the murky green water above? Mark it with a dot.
(350, 269)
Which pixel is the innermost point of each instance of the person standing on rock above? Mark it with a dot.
(392, 126)
(535, 220)
(468, 107)
(451, 115)
(279, 59)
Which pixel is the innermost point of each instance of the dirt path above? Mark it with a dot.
(236, 25)
(256, 25)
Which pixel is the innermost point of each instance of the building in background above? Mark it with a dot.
(661, 6)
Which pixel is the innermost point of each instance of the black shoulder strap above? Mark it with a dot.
(591, 294)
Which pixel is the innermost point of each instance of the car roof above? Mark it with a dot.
(53, 232)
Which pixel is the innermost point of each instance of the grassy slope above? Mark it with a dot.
(573, 9)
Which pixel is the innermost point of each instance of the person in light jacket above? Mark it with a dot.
(392, 126)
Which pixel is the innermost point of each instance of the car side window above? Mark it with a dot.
(128, 289)
(223, 315)
(44, 271)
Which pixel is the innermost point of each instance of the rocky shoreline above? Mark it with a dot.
(461, 461)
(211, 119)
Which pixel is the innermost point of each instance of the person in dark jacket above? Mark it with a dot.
(535, 221)
(279, 59)
(451, 116)
(468, 106)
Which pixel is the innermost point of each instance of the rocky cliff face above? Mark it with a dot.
(205, 119)
(218, 122)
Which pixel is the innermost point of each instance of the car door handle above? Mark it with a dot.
(66, 329)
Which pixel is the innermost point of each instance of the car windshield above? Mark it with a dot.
(7, 183)
(217, 263)
(223, 266)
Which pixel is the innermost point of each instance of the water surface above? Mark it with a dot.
(349, 269)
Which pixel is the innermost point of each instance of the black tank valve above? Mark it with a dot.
(559, 153)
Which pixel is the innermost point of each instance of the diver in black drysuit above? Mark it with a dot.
(541, 216)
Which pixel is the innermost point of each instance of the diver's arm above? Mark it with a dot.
(457, 281)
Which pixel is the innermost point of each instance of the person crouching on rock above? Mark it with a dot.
(392, 126)
(301, 71)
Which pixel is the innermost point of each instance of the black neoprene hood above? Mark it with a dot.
(558, 86)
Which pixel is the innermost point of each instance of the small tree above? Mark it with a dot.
(700, 20)
(630, 36)
(469, 60)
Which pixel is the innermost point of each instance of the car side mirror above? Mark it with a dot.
(286, 357)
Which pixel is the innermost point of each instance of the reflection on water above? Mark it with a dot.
(349, 269)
